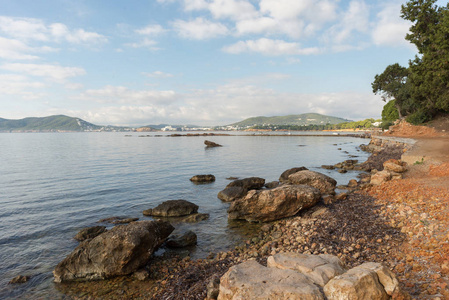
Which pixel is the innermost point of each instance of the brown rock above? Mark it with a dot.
(232, 193)
(203, 178)
(19, 279)
(395, 165)
(380, 177)
(324, 183)
(285, 174)
(172, 208)
(210, 144)
(89, 233)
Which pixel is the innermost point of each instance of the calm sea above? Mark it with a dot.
(54, 184)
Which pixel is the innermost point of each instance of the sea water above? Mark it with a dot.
(54, 184)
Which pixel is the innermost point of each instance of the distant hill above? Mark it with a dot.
(54, 123)
(301, 120)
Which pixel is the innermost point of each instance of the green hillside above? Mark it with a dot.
(299, 120)
(52, 123)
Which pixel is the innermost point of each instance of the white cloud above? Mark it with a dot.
(14, 49)
(145, 43)
(269, 26)
(269, 47)
(390, 29)
(285, 9)
(199, 29)
(151, 30)
(54, 73)
(158, 74)
(232, 9)
(19, 85)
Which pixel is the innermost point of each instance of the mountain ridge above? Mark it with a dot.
(299, 120)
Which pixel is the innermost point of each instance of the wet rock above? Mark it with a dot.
(19, 279)
(317, 268)
(89, 233)
(323, 183)
(182, 239)
(230, 194)
(251, 183)
(380, 177)
(210, 144)
(272, 184)
(357, 283)
(285, 174)
(119, 251)
(274, 204)
(124, 221)
(172, 208)
(328, 167)
(251, 280)
(196, 218)
(203, 178)
(342, 171)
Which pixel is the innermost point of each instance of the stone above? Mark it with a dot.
(357, 283)
(341, 196)
(230, 194)
(328, 167)
(395, 165)
(124, 221)
(196, 218)
(141, 275)
(181, 239)
(386, 277)
(19, 279)
(213, 287)
(251, 280)
(272, 184)
(352, 183)
(210, 144)
(203, 178)
(274, 204)
(380, 177)
(317, 268)
(172, 208)
(285, 174)
(322, 182)
(120, 251)
(251, 183)
(89, 233)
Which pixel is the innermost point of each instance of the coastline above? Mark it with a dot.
(408, 236)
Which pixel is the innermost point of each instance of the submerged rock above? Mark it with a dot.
(172, 208)
(89, 233)
(182, 239)
(210, 144)
(203, 178)
(19, 279)
(120, 251)
(193, 218)
(274, 204)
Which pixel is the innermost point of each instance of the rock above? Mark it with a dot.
(342, 171)
(274, 204)
(395, 165)
(109, 220)
(125, 221)
(172, 208)
(119, 251)
(251, 183)
(380, 177)
(89, 233)
(213, 287)
(196, 218)
(386, 277)
(210, 144)
(203, 178)
(285, 174)
(352, 183)
(250, 280)
(19, 279)
(357, 283)
(141, 275)
(341, 196)
(328, 167)
(230, 194)
(317, 268)
(272, 184)
(322, 182)
(181, 239)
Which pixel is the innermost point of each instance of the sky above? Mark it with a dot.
(203, 62)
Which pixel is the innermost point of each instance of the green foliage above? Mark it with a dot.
(419, 117)
(297, 120)
(389, 112)
(365, 124)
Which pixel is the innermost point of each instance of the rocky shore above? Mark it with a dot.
(392, 223)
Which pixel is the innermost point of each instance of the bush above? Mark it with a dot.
(419, 117)
(390, 112)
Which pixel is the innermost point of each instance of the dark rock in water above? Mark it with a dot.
(272, 185)
(196, 218)
(203, 178)
(125, 221)
(232, 178)
(274, 204)
(285, 174)
(210, 144)
(342, 171)
(120, 251)
(324, 183)
(230, 194)
(109, 220)
(19, 279)
(172, 208)
(89, 233)
(251, 183)
(328, 167)
(182, 239)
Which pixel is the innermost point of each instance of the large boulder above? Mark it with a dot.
(274, 204)
(251, 280)
(317, 268)
(380, 177)
(324, 183)
(232, 193)
(286, 173)
(89, 233)
(120, 251)
(239, 188)
(172, 208)
(395, 165)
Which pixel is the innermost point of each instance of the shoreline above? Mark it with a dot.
(385, 234)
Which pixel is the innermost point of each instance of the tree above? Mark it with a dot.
(392, 85)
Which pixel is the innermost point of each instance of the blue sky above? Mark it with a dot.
(205, 62)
